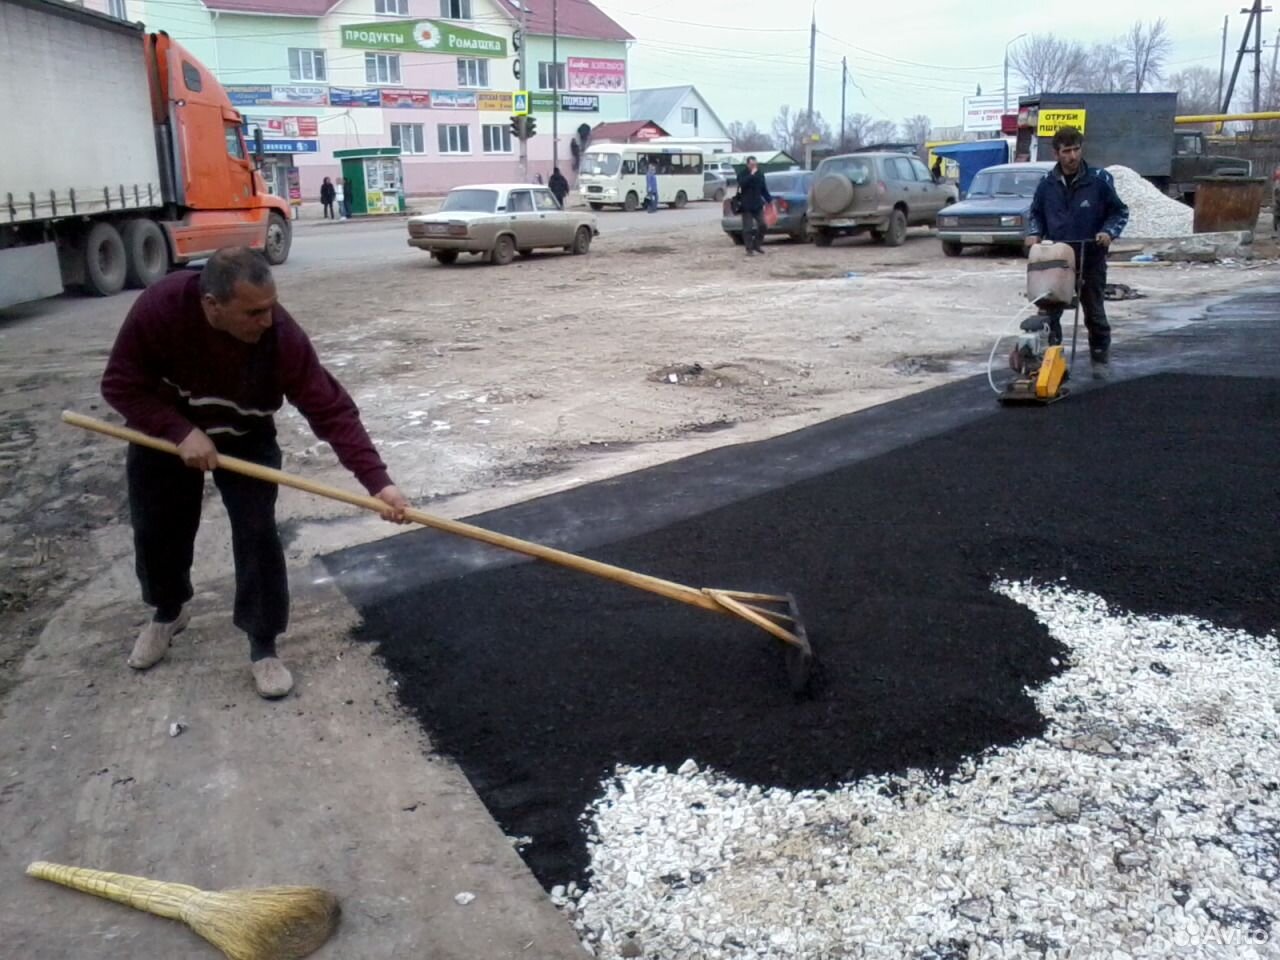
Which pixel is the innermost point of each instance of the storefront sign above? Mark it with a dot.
(586, 74)
(453, 99)
(1051, 121)
(406, 98)
(248, 95)
(355, 97)
(423, 36)
(579, 103)
(982, 114)
(542, 102)
(284, 126)
(495, 101)
(290, 146)
(293, 94)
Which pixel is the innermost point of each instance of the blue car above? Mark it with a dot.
(994, 211)
(790, 192)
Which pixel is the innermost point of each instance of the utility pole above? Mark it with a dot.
(844, 87)
(1257, 58)
(813, 46)
(1254, 23)
(1222, 67)
(1273, 88)
(555, 82)
(524, 85)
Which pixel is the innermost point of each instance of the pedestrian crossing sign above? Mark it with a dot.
(520, 103)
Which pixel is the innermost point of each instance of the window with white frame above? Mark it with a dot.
(118, 9)
(408, 137)
(454, 138)
(473, 73)
(689, 115)
(497, 138)
(382, 68)
(400, 7)
(306, 64)
(551, 76)
(455, 9)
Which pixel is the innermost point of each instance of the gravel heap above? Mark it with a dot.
(1151, 213)
(1145, 823)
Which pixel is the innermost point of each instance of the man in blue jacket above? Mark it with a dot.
(1078, 204)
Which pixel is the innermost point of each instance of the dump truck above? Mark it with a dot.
(123, 157)
(1135, 130)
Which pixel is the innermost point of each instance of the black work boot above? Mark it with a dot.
(1101, 363)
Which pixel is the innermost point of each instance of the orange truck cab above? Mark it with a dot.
(150, 169)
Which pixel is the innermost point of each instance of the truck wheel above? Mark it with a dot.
(146, 253)
(279, 239)
(632, 203)
(952, 248)
(104, 261)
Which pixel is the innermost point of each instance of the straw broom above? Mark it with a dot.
(264, 923)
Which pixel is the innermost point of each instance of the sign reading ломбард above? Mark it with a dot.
(422, 36)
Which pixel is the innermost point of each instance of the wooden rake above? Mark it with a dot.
(776, 614)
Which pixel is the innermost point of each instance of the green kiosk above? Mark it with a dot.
(376, 178)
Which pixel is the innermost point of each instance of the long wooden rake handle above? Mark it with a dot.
(664, 588)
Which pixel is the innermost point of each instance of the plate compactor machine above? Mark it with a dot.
(1040, 368)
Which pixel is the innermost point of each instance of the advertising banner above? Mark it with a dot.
(982, 114)
(453, 99)
(290, 146)
(579, 103)
(587, 75)
(297, 95)
(406, 98)
(248, 94)
(294, 181)
(276, 127)
(495, 101)
(355, 97)
(423, 36)
(1052, 120)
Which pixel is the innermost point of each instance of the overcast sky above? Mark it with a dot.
(749, 57)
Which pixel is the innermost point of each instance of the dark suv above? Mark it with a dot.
(880, 193)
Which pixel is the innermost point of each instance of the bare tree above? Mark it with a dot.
(1144, 49)
(1047, 64)
(791, 131)
(746, 136)
(1104, 70)
(916, 130)
(1197, 90)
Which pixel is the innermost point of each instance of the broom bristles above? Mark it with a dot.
(263, 923)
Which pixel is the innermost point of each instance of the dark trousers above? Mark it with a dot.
(753, 228)
(164, 503)
(1093, 283)
(328, 210)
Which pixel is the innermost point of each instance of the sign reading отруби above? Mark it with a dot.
(1051, 121)
(422, 36)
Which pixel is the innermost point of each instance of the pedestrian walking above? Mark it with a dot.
(753, 194)
(204, 360)
(1078, 204)
(327, 195)
(559, 186)
(651, 188)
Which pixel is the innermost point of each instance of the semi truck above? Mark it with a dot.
(123, 158)
(1135, 130)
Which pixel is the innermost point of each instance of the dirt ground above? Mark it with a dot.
(484, 386)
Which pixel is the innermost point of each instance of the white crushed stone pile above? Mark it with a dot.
(1144, 824)
(1151, 213)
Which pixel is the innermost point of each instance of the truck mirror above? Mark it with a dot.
(259, 151)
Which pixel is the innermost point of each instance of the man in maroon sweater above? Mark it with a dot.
(204, 360)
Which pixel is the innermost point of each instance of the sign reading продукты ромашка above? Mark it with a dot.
(1051, 121)
(422, 36)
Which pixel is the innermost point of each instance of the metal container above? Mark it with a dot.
(1228, 203)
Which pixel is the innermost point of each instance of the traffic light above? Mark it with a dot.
(515, 126)
(530, 126)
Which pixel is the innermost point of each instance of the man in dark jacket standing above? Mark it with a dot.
(1078, 204)
(753, 194)
(559, 186)
(204, 360)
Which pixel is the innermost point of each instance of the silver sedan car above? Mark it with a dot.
(713, 186)
(499, 220)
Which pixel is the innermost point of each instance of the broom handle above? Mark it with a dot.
(150, 896)
(606, 571)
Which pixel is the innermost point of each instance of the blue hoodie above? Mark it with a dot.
(1077, 210)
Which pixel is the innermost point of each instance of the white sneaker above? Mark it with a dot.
(153, 642)
(272, 678)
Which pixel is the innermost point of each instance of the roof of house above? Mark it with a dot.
(277, 8)
(576, 18)
(622, 130)
(660, 101)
